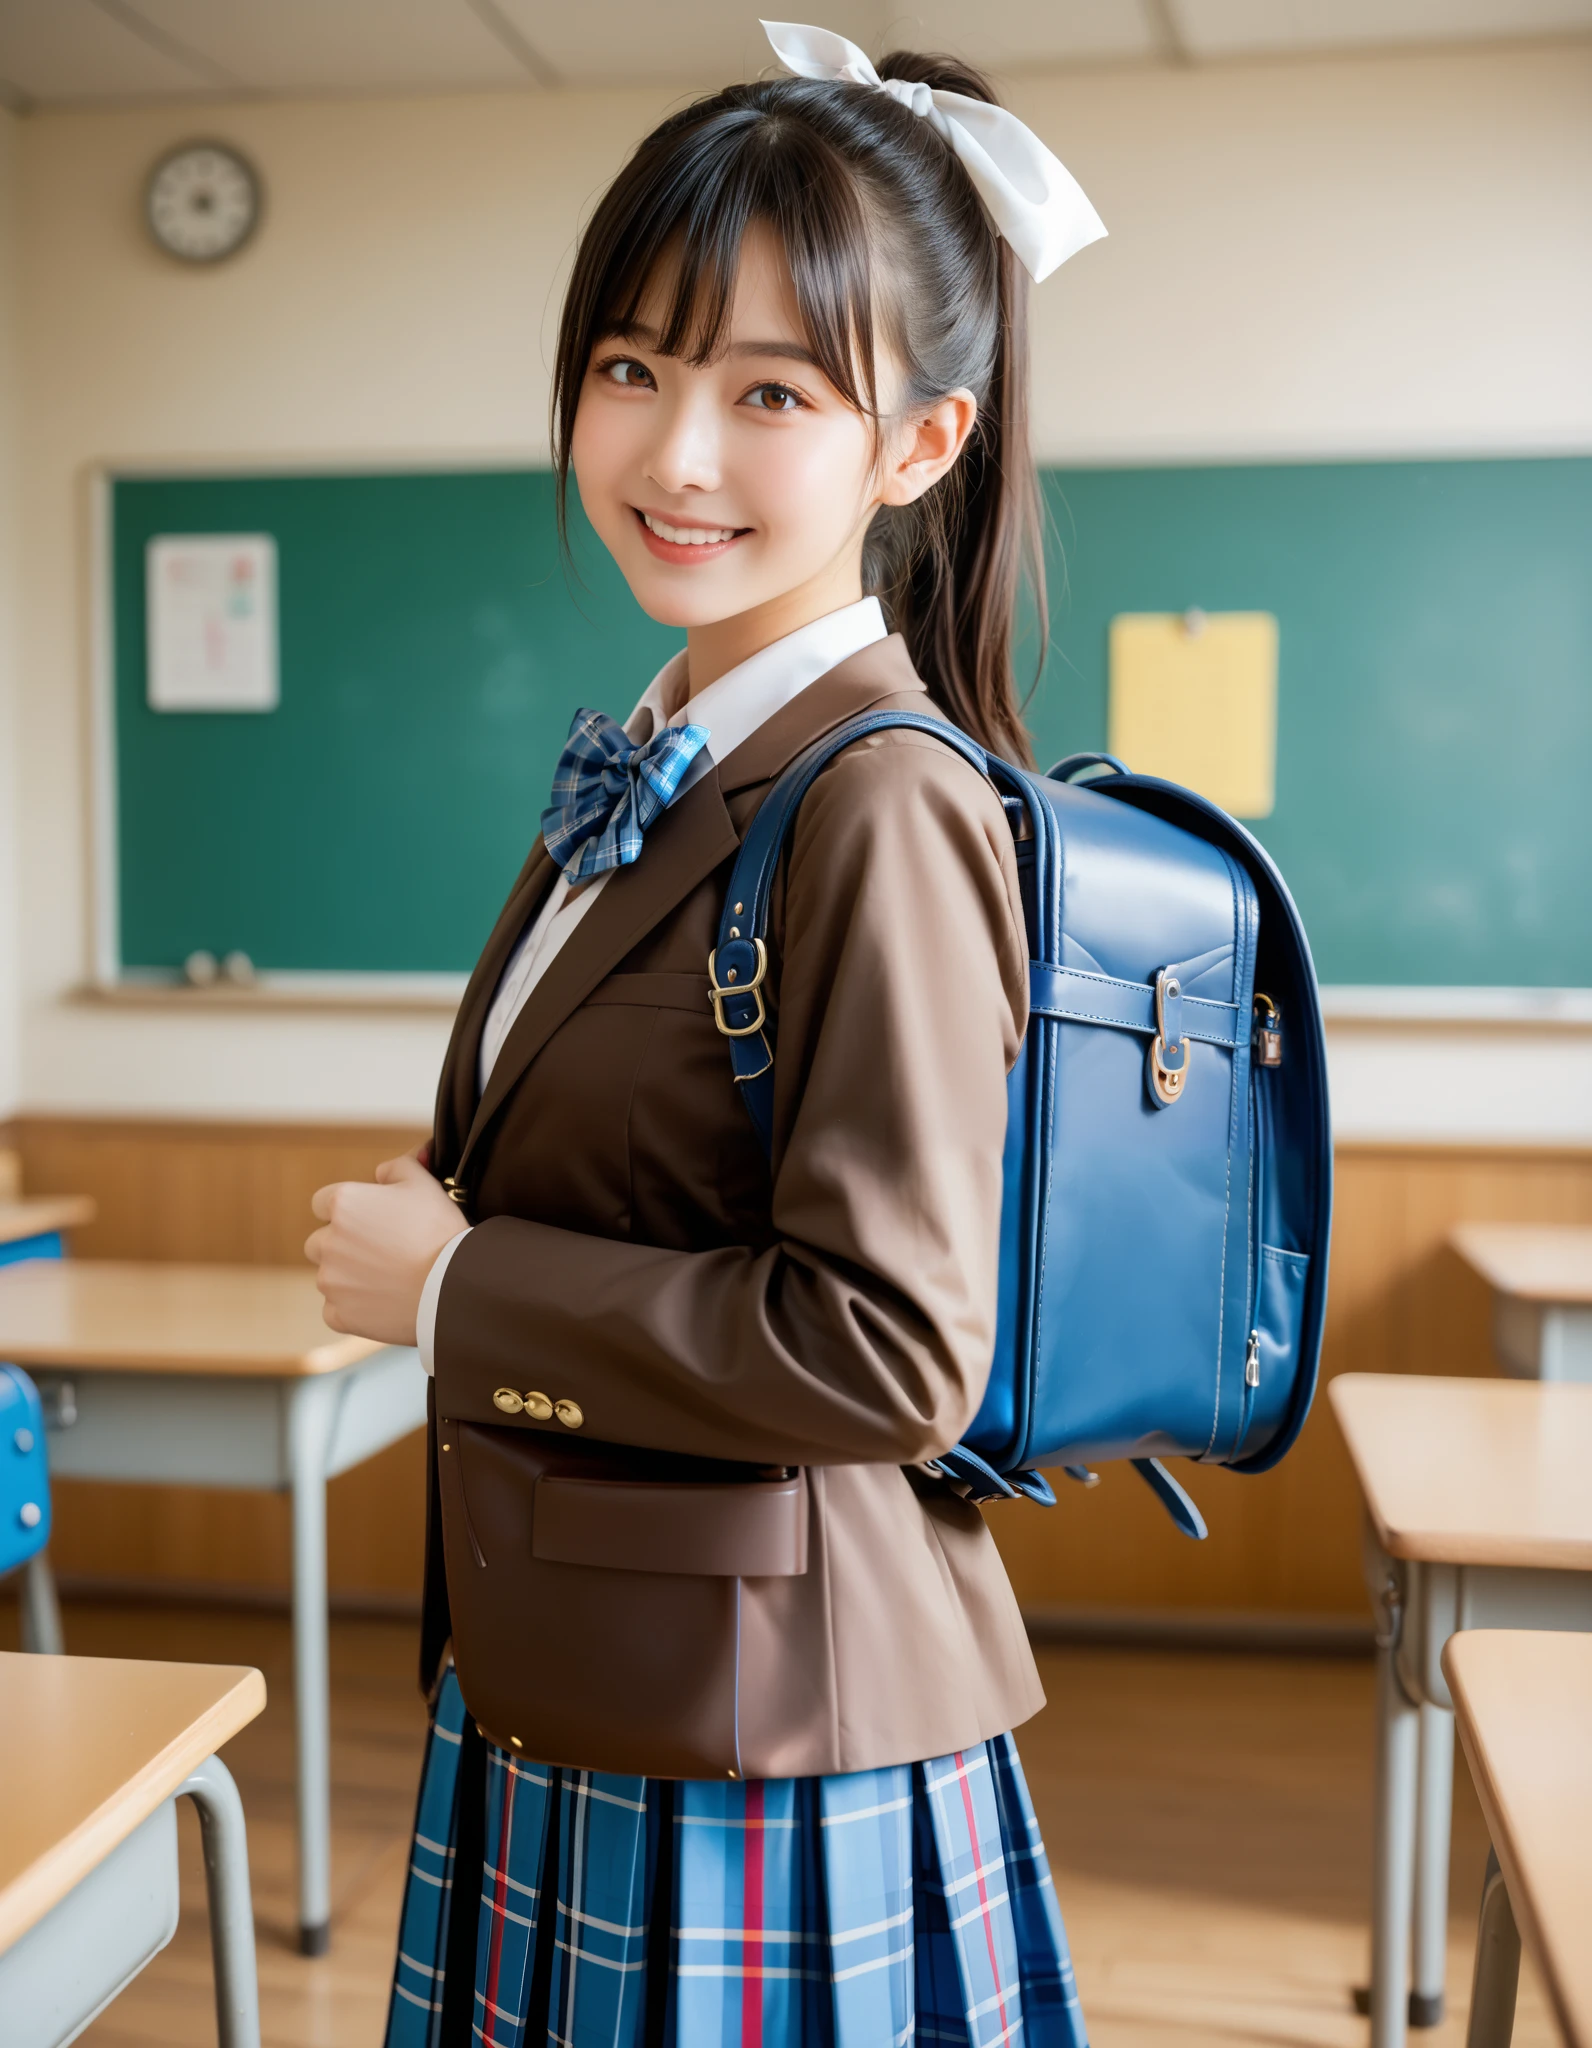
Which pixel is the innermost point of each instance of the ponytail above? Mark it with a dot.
(951, 567)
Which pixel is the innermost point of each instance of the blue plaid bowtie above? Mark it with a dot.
(607, 791)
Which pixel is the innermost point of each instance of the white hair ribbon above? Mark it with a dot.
(1034, 200)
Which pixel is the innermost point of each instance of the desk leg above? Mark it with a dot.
(1435, 1812)
(41, 1611)
(1497, 1978)
(226, 1846)
(311, 1412)
(1393, 1876)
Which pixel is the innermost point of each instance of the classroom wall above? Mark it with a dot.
(1377, 257)
(10, 1010)
(1341, 258)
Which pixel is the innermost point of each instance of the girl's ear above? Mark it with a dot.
(925, 446)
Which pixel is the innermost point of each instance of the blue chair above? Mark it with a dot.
(25, 1508)
(48, 1244)
(25, 1479)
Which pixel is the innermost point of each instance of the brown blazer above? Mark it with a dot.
(634, 1255)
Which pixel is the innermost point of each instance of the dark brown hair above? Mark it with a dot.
(881, 227)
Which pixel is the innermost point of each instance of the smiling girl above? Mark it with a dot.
(722, 1667)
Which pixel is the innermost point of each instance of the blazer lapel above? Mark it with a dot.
(457, 1091)
(691, 838)
(683, 847)
(863, 680)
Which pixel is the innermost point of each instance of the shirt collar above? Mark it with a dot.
(748, 695)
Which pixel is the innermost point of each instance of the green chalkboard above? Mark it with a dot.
(1435, 703)
(432, 650)
(1434, 744)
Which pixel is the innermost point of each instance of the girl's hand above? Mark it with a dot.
(377, 1245)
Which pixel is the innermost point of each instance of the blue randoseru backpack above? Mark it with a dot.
(24, 1479)
(1168, 1163)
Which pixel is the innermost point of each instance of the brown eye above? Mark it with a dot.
(774, 398)
(627, 373)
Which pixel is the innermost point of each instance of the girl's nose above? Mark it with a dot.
(685, 454)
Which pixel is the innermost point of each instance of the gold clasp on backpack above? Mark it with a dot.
(732, 987)
(1166, 1080)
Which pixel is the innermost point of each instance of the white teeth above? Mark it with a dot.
(688, 536)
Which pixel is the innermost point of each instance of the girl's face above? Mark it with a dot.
(745, 485)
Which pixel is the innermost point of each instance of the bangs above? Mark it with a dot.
(887, 247)
(668, 238)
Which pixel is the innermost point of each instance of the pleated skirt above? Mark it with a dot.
(910, 1904)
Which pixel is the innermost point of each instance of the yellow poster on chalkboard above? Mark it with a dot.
(1194, 699)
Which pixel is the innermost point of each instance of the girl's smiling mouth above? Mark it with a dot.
(673, 541)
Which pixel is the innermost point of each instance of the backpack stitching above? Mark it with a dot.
(1227, 1189)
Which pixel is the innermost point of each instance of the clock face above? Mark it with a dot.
(203, 202)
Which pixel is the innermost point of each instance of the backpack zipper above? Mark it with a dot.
(1246, 1405)
(1266, 1053)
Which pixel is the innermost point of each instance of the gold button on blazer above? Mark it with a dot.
(757, 1361)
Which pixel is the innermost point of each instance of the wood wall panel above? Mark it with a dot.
(1287, 1541)
(223, 1193)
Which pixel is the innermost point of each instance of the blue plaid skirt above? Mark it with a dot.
(911, 1904)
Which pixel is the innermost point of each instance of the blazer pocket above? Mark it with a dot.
(756, 1531)
(595, 1594)
(688, 992)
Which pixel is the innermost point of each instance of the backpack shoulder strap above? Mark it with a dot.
(738, 964)
(737, 971)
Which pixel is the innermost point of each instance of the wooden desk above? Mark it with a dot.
(1523, 1703)
(1541, 1278)
(219, 1376)
(1479, 1515)
(41, 1216)
(1471, 1471)
(94, 1754)
(253, 1322)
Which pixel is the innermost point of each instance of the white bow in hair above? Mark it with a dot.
(1033, 199)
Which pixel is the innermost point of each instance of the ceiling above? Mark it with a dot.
(77, 52)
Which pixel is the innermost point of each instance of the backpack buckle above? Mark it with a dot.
(720, 992)
(1268, 1032)
(1168, 1061)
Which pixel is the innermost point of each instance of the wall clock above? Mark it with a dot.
(203, 202)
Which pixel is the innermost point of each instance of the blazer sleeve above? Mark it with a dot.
(864, 1332)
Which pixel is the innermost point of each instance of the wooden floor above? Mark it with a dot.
(1208, 1819)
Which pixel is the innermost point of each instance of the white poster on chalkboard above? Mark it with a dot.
(212, 622)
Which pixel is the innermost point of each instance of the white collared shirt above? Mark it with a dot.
(743, 698)
(732, 709)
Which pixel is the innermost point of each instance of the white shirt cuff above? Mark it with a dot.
(430, 1295)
